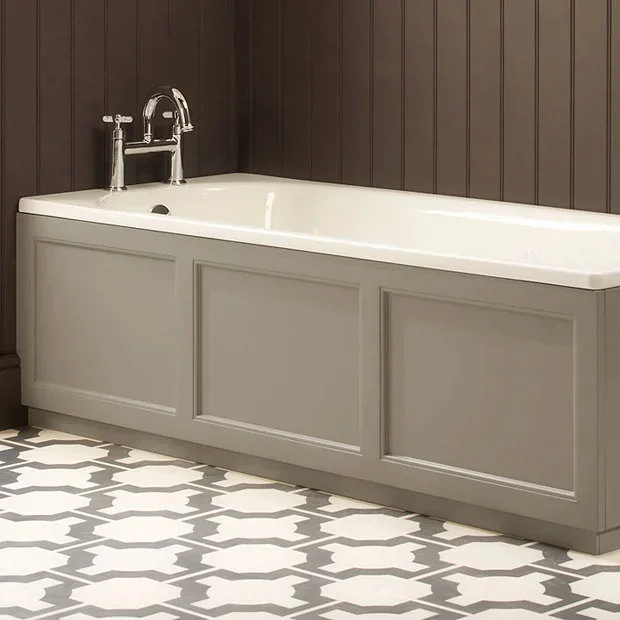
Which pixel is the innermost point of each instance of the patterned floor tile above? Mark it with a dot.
(79, 478)
(95, 613)
(125, 457)
(94, 530)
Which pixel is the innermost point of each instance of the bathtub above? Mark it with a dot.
(450, 356)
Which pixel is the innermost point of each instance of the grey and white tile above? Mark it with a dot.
(94, 530)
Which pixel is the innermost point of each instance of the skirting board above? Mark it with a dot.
(579, 540)
(12, 414)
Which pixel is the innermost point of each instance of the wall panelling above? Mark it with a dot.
(511, 100)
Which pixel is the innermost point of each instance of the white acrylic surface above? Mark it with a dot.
(537, 244)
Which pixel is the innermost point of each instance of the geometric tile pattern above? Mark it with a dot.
(90, 530)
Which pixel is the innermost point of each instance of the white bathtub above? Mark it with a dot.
(449, 356)
(536, 244)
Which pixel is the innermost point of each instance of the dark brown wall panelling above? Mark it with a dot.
(505, 99)
(356, 92)
(296, 88)
(65, 63)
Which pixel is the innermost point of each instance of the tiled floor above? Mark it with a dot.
(93, 530)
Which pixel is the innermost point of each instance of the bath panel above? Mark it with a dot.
(279, 352)
(610, 407)
(459, 374)
(104, 322)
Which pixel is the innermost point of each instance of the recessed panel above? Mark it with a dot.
(279, 353)
(105, 323)
(480, 388)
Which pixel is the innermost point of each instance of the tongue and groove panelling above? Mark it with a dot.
(512, 100)
(65, 63)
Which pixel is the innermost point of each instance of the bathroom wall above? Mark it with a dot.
(514, 100)
(65, 63)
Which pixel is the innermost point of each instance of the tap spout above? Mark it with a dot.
(154, 146)
(180, 103)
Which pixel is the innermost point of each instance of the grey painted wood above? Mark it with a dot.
(279, 352)
(610, 425)
(233, 389)
(104, 322)
(498, 380)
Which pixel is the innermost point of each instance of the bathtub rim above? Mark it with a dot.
(571, 278)
(51, 205)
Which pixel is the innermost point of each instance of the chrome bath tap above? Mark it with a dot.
(148, 144)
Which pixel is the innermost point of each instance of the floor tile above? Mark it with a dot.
(95, 530)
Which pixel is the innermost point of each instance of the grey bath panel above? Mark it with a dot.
(610, 401)
(279, 353)
(98, 330)
(480, 391)
(479, 388)
(535, 348)
(104, 322)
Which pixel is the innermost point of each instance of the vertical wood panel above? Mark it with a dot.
(356, 92)
(326, 100)
(244, 45)
(185, 17)
(296, 89)
(266, 53)
(554, 120)
(419, 96)
(19, 137)
(615, 109)
(154, 62)
(388, 94)
(121, 92)
(54, 58)
(485, 99)
(89, 92)
(217, 133)
(519, 175)
(590, 157)
(452, 97)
